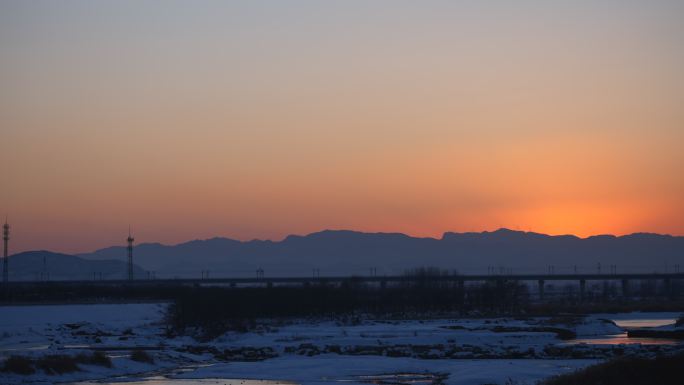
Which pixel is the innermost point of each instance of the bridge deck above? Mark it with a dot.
(377, 279)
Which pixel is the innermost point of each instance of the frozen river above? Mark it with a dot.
(341, 370)
(631, 321)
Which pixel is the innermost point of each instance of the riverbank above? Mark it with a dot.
(463, 344)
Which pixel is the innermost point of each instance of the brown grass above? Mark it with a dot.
(140, 355)
(18, 365)
(57, 364)
(95, 358)
(627, 371)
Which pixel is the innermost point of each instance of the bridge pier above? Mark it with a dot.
(540, 284)
(583, 289)
(625, 288)
(668, 287)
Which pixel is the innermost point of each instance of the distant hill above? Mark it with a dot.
(36, 265)
(344, 252)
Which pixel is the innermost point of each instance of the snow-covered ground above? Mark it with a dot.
(57, 326)
(36, 331)
(464, 351)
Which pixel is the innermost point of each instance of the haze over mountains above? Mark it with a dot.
(342, 252)
(45, 265)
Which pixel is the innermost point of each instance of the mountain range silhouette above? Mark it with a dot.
(45, 265)
(344, 253)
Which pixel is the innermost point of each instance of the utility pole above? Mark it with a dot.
(44, 273)
(130, 254)
(5, 260)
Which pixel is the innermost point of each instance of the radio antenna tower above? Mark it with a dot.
(130, 254)
(5, 260)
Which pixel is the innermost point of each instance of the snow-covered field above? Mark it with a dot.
(456, 351)
(57, 326)
(36, 331)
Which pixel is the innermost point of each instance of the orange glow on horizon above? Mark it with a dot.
(238, 120)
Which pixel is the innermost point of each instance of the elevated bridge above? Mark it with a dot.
(669, 280)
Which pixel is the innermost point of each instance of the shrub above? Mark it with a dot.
(680, 321)
(140, 355)
(18, 365)
(626, 371)
(57, 364)
(96, 358)
(215, 310)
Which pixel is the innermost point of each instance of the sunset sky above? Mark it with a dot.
(259, 119)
